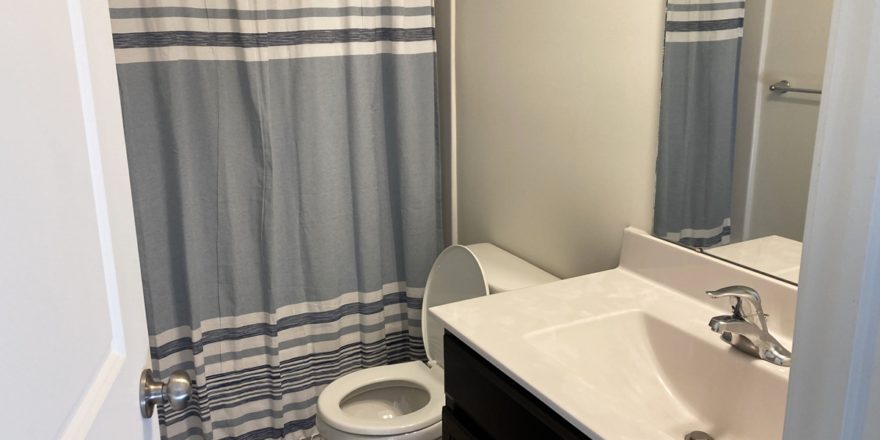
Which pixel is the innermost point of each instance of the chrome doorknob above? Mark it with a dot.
(176, 391)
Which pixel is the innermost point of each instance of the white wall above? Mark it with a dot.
(834, 386)
(749, 102)
(557, 116)
(785, 39)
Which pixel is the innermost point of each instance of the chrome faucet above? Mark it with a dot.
(743, 331)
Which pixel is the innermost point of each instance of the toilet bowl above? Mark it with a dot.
(404, 401)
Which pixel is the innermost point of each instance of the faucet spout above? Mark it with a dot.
(731, 324)
(742, 332)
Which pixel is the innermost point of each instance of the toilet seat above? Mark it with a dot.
(376, 394)
(456, 275)
(415, 374)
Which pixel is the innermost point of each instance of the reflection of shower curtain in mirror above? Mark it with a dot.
(697, 121)
(285, 177)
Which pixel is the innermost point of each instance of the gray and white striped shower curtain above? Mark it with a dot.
(284, 168)
(697, 121)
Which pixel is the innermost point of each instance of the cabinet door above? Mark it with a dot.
(484, 403)
(455, 429)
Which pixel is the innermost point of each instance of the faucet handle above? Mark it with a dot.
(740, 293)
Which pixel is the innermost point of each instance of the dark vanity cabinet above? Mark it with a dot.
(484, 403)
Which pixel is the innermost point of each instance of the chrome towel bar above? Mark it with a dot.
(785, 86)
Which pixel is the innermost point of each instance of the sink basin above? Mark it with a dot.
(650, 375)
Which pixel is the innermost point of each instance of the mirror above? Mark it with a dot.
(734, 160)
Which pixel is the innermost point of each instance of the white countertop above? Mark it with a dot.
(501, 326)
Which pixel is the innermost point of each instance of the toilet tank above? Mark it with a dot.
(504, 271)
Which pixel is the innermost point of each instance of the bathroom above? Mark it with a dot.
(284, 187)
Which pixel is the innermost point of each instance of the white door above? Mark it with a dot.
(72, 327)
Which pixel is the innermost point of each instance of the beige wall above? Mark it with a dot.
(785, 39)
(444, 26)
(557, 114)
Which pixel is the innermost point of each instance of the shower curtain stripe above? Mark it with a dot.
(379, 337)
(264, 14)
(390, 290)
(166, 33)
(245, 352)
(696, 6)
(267, 5)
(227, 389)
(247, 40)
(268, 26)
(698, 121)
(285, 177)
(274, 324)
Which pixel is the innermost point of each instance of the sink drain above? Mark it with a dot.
(698, 435)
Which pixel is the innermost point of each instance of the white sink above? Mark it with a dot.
(626, 354)
(646, 374)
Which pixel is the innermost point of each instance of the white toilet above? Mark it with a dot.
(404, 401)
